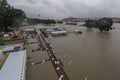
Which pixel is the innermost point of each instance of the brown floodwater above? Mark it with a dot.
(89, 56)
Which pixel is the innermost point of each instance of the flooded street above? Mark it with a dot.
(89, 56)
(59, 39)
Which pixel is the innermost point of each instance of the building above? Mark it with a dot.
(14, 67)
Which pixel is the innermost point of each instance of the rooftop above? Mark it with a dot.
(10, 47)
(14, 67)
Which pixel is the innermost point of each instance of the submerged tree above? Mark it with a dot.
(90, 23)
(103, 24)
(48, 21)
(9, 15)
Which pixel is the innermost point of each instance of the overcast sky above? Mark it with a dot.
(68, 8)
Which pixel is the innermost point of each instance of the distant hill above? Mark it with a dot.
(72, 19)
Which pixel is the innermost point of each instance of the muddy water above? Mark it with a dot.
(42, 71)
(92, 55)
(89, 56)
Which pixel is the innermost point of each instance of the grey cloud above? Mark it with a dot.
(66, 8)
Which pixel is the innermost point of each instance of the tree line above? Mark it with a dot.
(9, 16)
(42, 21)
(103, 24)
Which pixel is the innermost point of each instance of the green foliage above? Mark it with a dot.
(1, 42)
(5, 17)
(103, 24)
(42, 21)
(48, 21)
(90, 23)
(60, 22)
(9, 15)
(19, 17)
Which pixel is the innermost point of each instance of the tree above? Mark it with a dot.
(48, 21)
(90, 23)
(104, 24)
(8, 15)
(5, 17)
(19, 17)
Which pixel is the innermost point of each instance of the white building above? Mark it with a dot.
(14, 67)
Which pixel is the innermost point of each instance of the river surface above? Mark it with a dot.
(89, 56)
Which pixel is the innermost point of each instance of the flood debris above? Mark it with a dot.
(86, 78)
(70, 63)
(50, 54)
(58, 68)
(53, 59)
(33, 64)
(61, 77)
(57, 62)
(43, 61)
(35, 50)
(65, 56)
(60, 50)
(36, 63)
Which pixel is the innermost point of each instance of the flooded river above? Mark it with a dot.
(89, 56)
